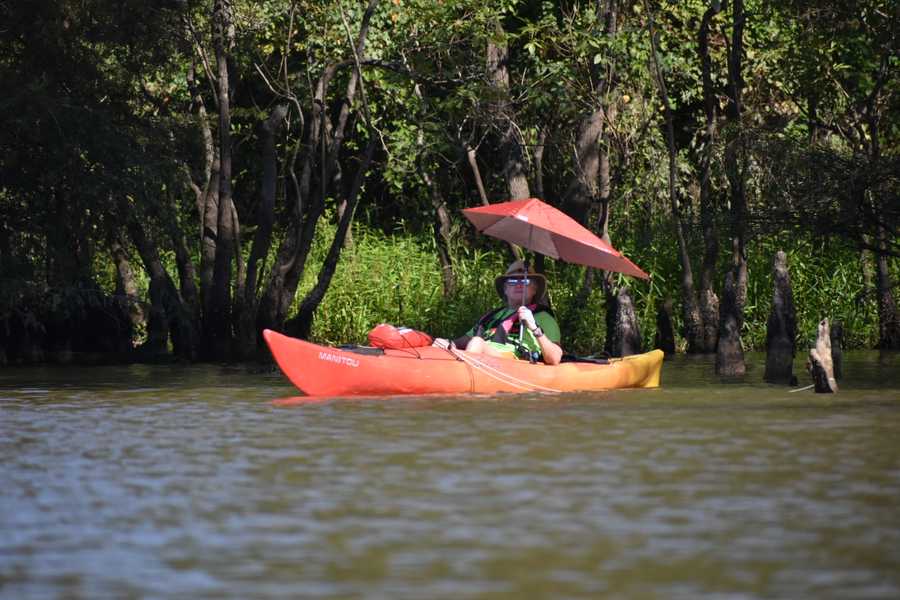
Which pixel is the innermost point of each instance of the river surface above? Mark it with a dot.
(189, 482)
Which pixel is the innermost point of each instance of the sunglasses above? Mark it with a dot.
(518, 282)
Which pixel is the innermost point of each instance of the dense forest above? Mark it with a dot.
(177, 175)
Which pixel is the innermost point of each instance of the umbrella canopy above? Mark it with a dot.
(541, 228)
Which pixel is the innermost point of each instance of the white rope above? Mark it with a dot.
(503, 377)
(801, 389)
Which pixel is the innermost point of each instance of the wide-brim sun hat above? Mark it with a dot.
(516, 270)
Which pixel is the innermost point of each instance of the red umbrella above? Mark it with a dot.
(539, 227)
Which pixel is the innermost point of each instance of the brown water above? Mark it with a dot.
(175, 482)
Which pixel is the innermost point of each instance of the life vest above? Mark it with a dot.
(495, 328)
(386, 335)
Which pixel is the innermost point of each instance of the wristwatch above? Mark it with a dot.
(537, 332)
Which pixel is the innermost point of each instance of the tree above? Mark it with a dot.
(841, 72)
(73, 147)
(729, 352)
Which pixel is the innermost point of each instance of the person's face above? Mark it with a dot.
(517, 287)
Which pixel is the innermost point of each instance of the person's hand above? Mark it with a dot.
(441, 343)
(527, 317)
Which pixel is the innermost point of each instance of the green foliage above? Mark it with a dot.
(396, 279)
(99, 125)
(827, 279)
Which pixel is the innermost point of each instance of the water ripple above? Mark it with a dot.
(147, 483)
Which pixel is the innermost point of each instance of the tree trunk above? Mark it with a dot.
(511, 144)
(187, 277)
(278, 296)
(592, 184)
(735, 156)
(168, 315)
(781, 329)
(580, 195)
(219, 307)
(693, 324)
(709, 317)
(731, 311)
(888, 317)
(126, 294)
(157, 343)
(476, 174)
(126, 286)
(623, 337)
(248, 337)
(301, 325)
(68, 257)
(441, 226)
(820, 363)
(337, 183)
(207, 212)
(441, 231)
(579, 198)
(730, 323)
(290, 264)
(209, 219)
(515, 165)
(472, 159)
(707, 299)
(837, 348)
(729, 351)
(539, 164)
(665, 331)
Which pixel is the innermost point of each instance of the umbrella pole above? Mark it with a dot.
(525, 287)
(524, 292)
(527, 278)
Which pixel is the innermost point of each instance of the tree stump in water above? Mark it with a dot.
(665, 332)
(820, 362)
(709, 314)
(729, 352)
(623, 334)
(837, 349)
(781, 328)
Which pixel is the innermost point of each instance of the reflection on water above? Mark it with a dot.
(190, 482)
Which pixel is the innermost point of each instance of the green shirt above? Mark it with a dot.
(543, 319)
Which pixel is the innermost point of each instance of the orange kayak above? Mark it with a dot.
(362, 371)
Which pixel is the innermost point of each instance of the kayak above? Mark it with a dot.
(364, 371)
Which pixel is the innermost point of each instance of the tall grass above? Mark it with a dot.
(395, 278)
(827, 280)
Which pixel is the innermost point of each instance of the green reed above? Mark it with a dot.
(395, 278)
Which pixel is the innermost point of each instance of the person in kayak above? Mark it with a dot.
(524, 327)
